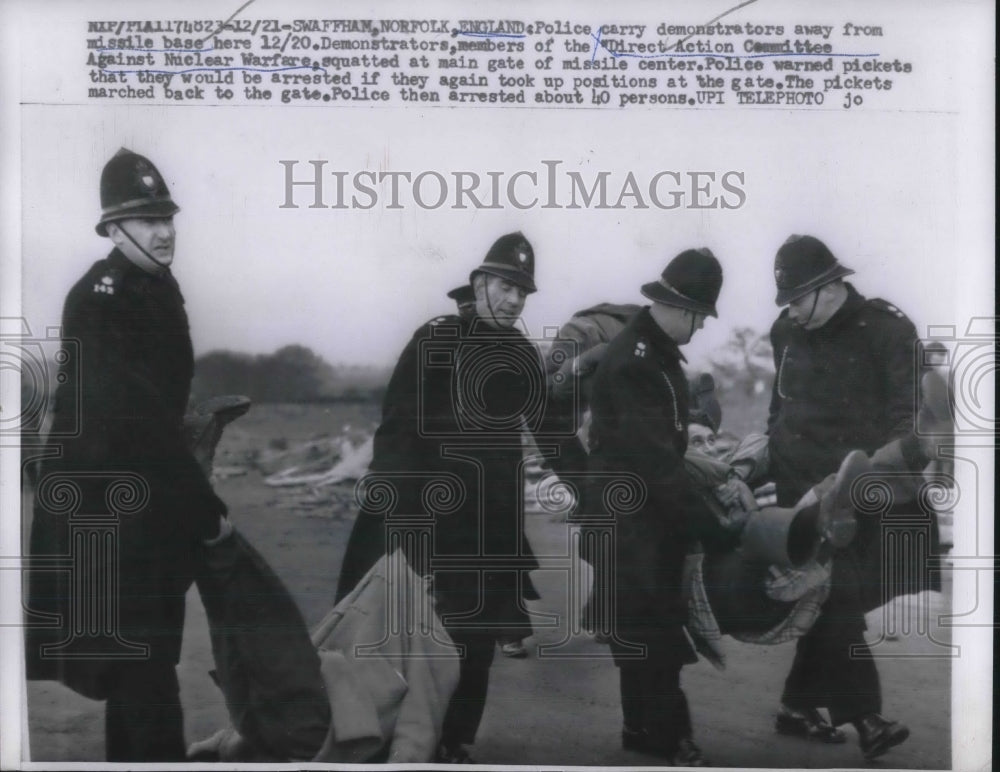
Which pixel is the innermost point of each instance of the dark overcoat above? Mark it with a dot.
(640, 405)
(850, 384)
(117, 460)
(448, 457)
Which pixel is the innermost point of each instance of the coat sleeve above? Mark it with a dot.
(397, 442)
(896, 351)
(778, 350)
(397, 448)
(558, 426)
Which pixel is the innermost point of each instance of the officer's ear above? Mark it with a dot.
(115, 233)
(479, 286)
(831, 289)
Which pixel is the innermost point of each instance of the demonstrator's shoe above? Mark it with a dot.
(634, 739)
(514, 650)
(689, 755)
(453, 754)
(641, 741)
(878, 735)
(807, 723)
(837, 523)
(935, 418)
(935, 403)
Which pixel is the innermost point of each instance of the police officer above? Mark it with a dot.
(465, 299)
(844, 380)
(640, 404)
(454, 409)
(511, 640)
(127, 394)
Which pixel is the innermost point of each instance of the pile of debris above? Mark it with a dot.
(327, 467)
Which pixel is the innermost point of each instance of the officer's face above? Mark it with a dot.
(499, 301)
(699, 322)
(813, 310)
(692, 323)
(150, 237)
(679, 323)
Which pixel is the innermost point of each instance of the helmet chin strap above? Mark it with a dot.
(694, 317)
(164, 266)
(489, 303)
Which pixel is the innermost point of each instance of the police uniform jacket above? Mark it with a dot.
(118, 416)
(639, 436)
(847, 385)
(851, 384)
(448, 455)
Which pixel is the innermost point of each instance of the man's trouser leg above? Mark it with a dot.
(143, 719)
(832, 666)
(512, 622)
(465, 711)
(652, 700)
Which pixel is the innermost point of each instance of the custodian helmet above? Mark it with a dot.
(804, 264)
(691, 281)
(132, 187)
(512, 258)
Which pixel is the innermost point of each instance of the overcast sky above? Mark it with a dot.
(353, 284)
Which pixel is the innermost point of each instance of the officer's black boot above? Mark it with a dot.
(878, 735)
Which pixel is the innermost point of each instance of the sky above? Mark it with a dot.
(353, 284)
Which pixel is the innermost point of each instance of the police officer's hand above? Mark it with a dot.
(588, 361)
(734, 494)
(225, 531)
(766, 495)
(564, 381)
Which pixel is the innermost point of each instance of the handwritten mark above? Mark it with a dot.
(164, 50)
(312, 67)
(679, 42)
(223, 25)
(712, 21)
(620, 54)
(489, 34)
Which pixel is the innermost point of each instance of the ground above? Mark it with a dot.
(544, 709)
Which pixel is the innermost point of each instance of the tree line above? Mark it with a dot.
(293, 373)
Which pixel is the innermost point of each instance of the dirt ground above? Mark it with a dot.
(547, 709)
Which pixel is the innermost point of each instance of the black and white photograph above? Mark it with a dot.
(498, 384)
